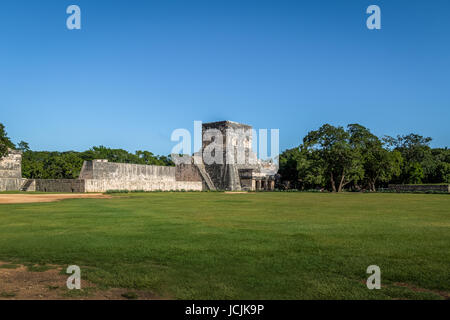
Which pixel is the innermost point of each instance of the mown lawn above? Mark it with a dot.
(242, 246)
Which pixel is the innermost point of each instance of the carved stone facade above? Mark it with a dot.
(101, 176)
(231, 142)
(228, 159)
(11, 171)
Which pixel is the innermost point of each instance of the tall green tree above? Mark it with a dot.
(67, 165)
(331, 148)
(288, 170)
(418, 166)
(5, 142)
(379, 164)
(442, 159)
(23, 146)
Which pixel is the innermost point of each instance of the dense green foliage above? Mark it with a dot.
(278, 245)
(336, 158)
(67, 165)
(330, 157)
(5, 142)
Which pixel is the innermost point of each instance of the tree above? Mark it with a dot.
(311, 169)
(23, 146)
(414, 173)
(333, 157)
(332, 149)
(67, 165)
(442, 158)
(378, 163)
(288, 170)
(5, 142)
(419, 164)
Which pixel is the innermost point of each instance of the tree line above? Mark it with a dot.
(5, 142)
(67, 165)
(331, 157)
(353, 158)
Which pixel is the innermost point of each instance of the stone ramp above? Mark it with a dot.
(27, 186)
(205, 176)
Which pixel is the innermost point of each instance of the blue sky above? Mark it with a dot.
(137, 70)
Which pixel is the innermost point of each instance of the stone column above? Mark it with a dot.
(272, 185)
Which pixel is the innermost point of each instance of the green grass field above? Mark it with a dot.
(242, 246)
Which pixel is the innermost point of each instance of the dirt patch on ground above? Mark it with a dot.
(443, 294)
(235, 192)
(17, 282)
(30, 198)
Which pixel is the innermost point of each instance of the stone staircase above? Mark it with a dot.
(27, 186)
(205, 176)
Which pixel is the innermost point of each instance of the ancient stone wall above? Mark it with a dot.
(59, 185)
(236, 141)
(187, 172)
(11, 165)
(247, 181)
(419, 187)
(103, 185)
(11, 171)
(96, 185)
(101, 176)
(103, 170)
(11, 184)
(87, 170)
(238, 169)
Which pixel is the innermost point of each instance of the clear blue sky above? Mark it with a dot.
(139, 69)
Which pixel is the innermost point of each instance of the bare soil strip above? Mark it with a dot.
(18, 283)
(442, 294)
(30, 198)
(235, 192)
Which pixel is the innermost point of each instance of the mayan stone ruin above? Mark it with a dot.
(230, 141)
(11, 171)
(240, 168)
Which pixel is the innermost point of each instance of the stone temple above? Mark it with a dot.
(226, 162)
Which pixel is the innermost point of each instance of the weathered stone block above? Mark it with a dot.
(419, 187)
